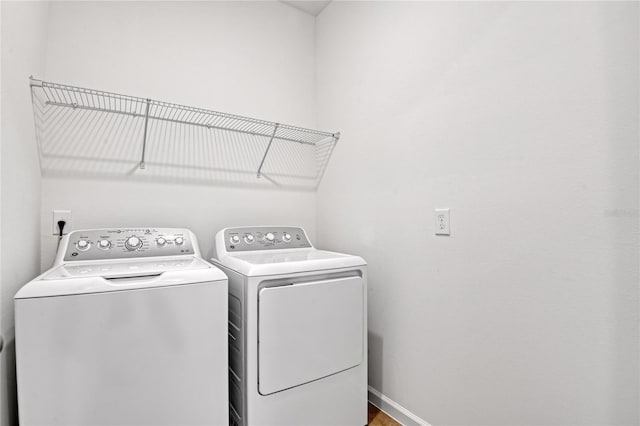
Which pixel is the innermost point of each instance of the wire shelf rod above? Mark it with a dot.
(153, 117)
(190, 123)
(144, 136)
(266, 151)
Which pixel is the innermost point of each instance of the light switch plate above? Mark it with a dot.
(443, 226)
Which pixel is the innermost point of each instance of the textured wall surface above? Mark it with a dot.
(23, 53)
(522, 117)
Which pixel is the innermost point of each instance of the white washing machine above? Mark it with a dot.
(297, 329)
(129, 327)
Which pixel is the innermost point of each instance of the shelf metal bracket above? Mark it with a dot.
(33, 82)
(266, 151)
(144, 137)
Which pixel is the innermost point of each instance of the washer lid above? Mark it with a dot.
(277, 262)
(125, 268)
(105, 276)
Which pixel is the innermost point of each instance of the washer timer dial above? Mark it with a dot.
(133, 243)
(83, 245)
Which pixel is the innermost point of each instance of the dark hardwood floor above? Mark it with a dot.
(379, 418)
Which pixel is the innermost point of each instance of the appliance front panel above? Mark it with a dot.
(268, 238)
(142, 357)
(309, 331)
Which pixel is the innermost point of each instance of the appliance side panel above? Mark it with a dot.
(237, 345)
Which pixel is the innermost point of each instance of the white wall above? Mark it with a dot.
(248, 58)
(523, 119)
(23, 36)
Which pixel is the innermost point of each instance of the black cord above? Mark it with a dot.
(61, 224)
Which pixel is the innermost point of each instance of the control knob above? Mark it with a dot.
(248, 238)
(161, 242)
(133, 243)
(82, 245)
(179, 241)
(286, 237)
(270, 237)
(234, 239)
(104, 244)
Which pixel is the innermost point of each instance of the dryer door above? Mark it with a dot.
(308, 331)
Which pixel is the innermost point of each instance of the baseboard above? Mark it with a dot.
(394, 410)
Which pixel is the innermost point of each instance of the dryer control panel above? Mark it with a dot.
(265, 238)
(127, 243)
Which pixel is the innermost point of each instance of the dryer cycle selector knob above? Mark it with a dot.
(104, 244)
(83, 245)
(270, 237)
(133, 243)
(234, 239)
(179, 241)
(286, 237)
(161, 242)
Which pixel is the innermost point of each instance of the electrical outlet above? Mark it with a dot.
(59, 215)
(442, 222)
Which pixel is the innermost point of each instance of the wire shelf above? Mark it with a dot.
(93, 132)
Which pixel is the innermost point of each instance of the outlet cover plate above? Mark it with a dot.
(443, 225)
(57, 216)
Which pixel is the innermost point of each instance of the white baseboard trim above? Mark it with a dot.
(394, 410)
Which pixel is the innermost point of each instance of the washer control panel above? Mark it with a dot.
(125, 243)
(265, 238)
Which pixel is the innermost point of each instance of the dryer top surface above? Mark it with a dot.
(275, 250)
(278, 262)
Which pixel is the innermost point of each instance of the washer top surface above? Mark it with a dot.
(122, 259)
(275, 251)
(123, 268)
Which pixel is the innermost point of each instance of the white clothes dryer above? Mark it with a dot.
(297, 329)
(129, 327)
